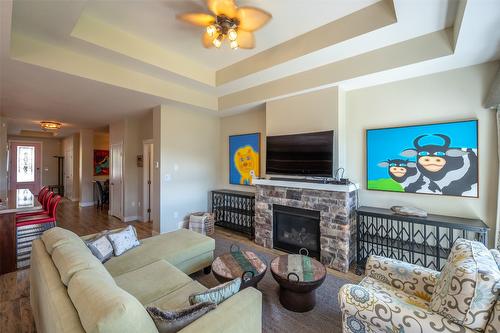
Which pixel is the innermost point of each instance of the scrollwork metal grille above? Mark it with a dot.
(234, 210)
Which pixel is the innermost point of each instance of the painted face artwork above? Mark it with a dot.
(246, 161)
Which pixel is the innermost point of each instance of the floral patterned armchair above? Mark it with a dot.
(396, 296)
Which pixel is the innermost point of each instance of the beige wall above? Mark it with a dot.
(50, 148)
(253, 121)
(189, 155)
(310, 112)
(448, 96)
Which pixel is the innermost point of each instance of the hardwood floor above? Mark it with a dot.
(15, 311)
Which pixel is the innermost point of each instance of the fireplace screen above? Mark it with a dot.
(296, 228)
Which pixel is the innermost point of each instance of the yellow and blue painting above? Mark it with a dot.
(244, 158)
(439, 159)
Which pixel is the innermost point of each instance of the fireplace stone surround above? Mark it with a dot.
(337, 207)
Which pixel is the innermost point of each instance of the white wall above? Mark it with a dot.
(310, 112)
(253, 121)
(189, 150)
(449, 96)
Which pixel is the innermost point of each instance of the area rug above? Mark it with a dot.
(325, 317)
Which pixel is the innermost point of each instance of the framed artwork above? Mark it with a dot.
(439, 159)
(101, 162)
(244, 158)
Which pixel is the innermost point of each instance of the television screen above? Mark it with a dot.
(309, 154)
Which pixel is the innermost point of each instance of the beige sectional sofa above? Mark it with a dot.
(71, 291)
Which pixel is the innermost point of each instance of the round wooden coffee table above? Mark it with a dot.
(298, 276)
(237, 263)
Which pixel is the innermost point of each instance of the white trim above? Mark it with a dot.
(131, 218)
(145, 169)
(122, 196)
(305, 185)
(86, 204)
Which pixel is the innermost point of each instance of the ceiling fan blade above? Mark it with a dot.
(245, 39)
(251, 18)
(199, 19)
(206, 40)
(223, 7)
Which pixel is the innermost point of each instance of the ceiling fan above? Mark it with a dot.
(230, 22)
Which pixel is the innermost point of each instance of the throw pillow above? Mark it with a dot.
(197, 223)
(217, 294)
(100, 246)
(174, 321)
(123, 240)
(468, 285)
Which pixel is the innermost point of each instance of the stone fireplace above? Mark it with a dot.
(332, 205)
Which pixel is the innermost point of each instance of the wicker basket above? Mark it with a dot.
(209, 222)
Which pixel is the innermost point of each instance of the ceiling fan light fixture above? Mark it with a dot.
(50, 125)
(218, 41)
(232, 34)
(211, 30)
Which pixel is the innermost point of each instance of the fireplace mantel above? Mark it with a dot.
(335, 203)
(306, 185)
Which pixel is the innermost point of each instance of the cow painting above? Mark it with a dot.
(451, 171)
(437, 159)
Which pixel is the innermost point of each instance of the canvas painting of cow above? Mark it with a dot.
(439, 159)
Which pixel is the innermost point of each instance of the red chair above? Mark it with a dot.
(42, 219)
(42, 193)
(45, 207)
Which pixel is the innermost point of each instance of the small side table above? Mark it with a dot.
(298, 276)
(238, 263)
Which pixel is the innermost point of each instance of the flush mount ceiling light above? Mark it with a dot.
(50, 125)
(232, 23)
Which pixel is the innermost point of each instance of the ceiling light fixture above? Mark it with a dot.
(50, 125)
(235, 24)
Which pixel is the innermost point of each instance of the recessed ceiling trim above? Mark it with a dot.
(42, 54)
(427, 47)
(373, 17)
(106, 36)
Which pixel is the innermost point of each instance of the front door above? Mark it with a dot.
(25, 166)
(116, 181)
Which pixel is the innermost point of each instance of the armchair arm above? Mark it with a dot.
(412, 279)
(241, 313)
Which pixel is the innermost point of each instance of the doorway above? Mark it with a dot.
(25, 166)
(116, 181)
(147, 176)
(68, 174)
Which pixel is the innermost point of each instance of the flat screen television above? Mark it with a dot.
(308, 154)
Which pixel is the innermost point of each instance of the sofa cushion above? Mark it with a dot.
(179, 298)
(55, 237)
(468, 285)
(175, 247)
(172, 321)
(103, 307)
(152, 281)
(71, 258)
(123, 240)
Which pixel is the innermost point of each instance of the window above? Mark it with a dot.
(25, 164)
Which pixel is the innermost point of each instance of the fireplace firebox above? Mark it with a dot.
(296, 228)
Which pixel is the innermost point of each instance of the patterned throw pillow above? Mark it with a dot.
(468, 285)
(100, 246)
(217, 294)
(174, 321)
(123, 240)
(197, 223)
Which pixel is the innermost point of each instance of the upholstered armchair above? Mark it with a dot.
(395, 296)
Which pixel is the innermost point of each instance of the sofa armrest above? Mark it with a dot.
(241, 313)
(412, 279)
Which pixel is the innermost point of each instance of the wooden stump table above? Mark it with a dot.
(244, 264)
(298, 276)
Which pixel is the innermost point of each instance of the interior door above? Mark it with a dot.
(116, 181)
(25, 168)
(68, 174)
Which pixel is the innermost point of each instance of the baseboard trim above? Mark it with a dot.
(86, 204)
(131, 218)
